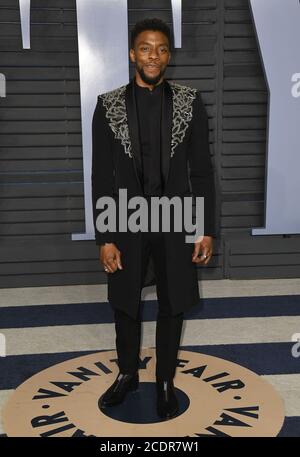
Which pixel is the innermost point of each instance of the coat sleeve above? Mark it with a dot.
(200, 164)
(102, 167)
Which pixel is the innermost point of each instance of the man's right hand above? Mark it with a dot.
(110, 256)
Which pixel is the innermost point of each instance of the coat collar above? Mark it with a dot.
(176, 115)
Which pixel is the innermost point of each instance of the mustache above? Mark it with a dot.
(148, 79)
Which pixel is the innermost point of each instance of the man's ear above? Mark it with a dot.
(132, 55)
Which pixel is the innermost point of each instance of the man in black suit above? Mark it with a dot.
(150, 137)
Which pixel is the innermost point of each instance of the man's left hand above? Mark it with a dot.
(205, 248)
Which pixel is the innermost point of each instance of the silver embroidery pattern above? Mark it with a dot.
(183, 97)
(114, 103)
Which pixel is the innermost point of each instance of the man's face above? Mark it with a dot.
(151, 55)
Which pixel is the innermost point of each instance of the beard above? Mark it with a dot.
(148, 79)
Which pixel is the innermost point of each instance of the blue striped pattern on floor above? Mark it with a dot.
(101, 313)
(274, 356)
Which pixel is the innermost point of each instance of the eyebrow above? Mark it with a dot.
(147, 42)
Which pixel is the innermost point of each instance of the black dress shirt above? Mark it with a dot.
(149, 105)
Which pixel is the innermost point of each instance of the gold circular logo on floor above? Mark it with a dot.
(216, 398)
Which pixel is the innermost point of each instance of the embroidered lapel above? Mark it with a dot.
(115, 105)
(183, 98)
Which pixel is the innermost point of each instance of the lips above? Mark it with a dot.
(152, 66)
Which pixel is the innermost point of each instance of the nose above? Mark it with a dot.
(154, 53)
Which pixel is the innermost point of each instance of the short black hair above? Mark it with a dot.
(154, 24)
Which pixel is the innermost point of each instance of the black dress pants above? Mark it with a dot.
(168, 327)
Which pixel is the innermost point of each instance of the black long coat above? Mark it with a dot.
(186, 170)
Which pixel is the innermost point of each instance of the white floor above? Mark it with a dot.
(98, 293)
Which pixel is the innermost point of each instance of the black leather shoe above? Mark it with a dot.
(116, 393)
(166, 403)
